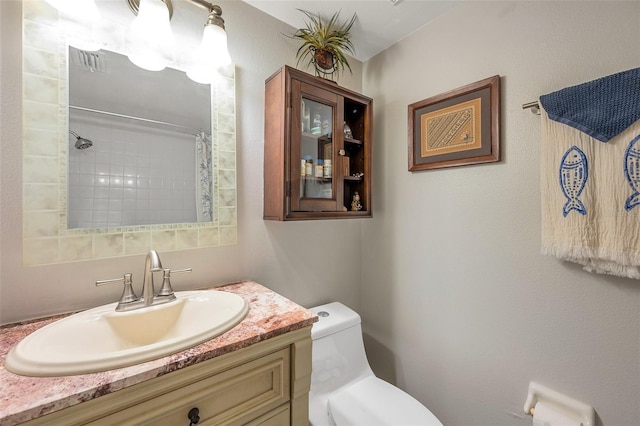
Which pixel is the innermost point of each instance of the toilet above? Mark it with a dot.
(344, 390)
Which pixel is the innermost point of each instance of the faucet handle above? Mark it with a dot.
(166, 289)
(128, 295)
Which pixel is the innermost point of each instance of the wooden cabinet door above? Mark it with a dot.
(316, 138)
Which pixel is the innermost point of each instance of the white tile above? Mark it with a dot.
(42, 142)
(40, 89)
(186, 238)
(227, 160)
(38, 196)
(227, 216)
(137, 242)
(163, 240)
(41, 63)
(208, 237)
(74, 248)
(39, 115)
(227, 179)
(108, 245)
(40, 169)
(40, 251)
(38, 224)
(228, 235)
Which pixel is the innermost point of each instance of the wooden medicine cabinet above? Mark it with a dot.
(317, 149)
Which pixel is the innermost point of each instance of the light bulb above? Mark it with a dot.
(149, 39)
(211, 55)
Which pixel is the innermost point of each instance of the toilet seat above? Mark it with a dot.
(374, 402)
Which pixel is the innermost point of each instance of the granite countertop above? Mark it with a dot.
(24, 398)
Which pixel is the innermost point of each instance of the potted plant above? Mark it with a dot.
(325, 43)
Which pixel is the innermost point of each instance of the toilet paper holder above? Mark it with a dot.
(538, 393)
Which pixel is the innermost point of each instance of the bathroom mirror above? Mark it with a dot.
(47, 238)
(139, 144)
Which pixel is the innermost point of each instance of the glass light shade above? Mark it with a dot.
(149, 39)
(211, 55)
(85, 9)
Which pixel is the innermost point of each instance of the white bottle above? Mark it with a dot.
(326, 172)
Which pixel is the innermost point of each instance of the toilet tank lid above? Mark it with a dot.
(373, 401)
(332, 317)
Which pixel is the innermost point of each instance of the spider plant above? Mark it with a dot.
(325, 43)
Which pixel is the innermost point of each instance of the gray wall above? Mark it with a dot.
(460, 308)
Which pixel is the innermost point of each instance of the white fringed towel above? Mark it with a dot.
(590, 199)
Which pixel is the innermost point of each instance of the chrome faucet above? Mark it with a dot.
(151, 264)
(129, 301)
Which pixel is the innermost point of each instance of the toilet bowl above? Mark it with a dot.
(344, 390)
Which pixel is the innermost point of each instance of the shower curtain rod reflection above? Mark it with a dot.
(131, 117)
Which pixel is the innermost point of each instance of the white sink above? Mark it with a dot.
(101, 339)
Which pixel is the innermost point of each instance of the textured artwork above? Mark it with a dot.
(452, 129)
(456, 128)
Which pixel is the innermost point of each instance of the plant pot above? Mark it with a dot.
(323, 59)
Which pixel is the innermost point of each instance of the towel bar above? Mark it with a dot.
(535, 107)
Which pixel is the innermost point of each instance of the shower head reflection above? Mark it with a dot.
(81, 143)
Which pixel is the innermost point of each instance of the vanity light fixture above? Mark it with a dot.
(150, 41)
(150, 51)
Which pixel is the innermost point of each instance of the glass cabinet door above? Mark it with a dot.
(314, 144)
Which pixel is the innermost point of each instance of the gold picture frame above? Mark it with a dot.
(456, 128)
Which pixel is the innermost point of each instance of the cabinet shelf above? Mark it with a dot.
(316, 179)
(315, 136)
(296, 102)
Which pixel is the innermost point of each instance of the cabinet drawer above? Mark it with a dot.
(235, 396)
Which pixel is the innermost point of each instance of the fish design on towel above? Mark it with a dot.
(632, 172)
(574, 171)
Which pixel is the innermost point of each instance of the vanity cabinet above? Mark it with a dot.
(264, 384)
(317, 149)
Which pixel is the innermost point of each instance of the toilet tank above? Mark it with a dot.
(338, 356)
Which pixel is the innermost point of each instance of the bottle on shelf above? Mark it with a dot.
(308, 167)
(316, 128)
(326, 171)
(319, 168)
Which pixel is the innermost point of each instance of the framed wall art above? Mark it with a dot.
(456, 128)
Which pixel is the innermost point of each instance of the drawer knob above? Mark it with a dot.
(193, 416)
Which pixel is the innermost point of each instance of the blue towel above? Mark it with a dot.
(601, 108)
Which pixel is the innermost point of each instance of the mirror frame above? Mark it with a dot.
(45, 144)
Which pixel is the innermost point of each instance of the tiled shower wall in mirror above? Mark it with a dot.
(130, 175)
